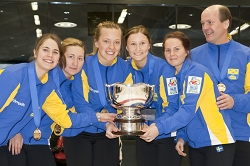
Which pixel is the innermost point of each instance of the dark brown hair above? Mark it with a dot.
(182, 37)
(135, 30)
(225, 14)
(46, 36)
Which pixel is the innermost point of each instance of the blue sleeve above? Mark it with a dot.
(83, 119)
(181, 133)
(169, 94)
(171, 90)
(242, 101)
(186, 111)
(81, 104)
(9, 86)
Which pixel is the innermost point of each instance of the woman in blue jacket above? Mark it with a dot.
(90, 146)
(70, 64)
(153, 70)
(17, 83)
(205, 127)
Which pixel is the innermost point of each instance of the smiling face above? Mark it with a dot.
(213, 29)
(46, 57)
(174, 52)
(109, 45)
(74, 56)
(137, 47)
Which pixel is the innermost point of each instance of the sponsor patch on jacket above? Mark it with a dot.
(194, 84)
(172, 86)
(233, 74)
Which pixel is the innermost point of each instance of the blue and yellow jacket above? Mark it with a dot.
(16, 113)
(15, 100)
(237, 81)
(204, 124)
(46, 121)
(159, 73)
(57, 107)
(86, 94)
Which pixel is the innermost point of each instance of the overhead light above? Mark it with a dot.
(242, 27)
(37, 22)
(66, 12)
(38, 33)
(65, 24)
(157, 45)
(122, 16)
(34, 6)
(180, 26)
(36, 19)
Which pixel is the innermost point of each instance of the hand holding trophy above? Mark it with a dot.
(129, 98)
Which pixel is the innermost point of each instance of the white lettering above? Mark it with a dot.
(95, 91)
(18, 103)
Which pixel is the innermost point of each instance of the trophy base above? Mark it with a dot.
(129, 126)
(128, 133)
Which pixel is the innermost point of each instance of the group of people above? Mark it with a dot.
(201, 97)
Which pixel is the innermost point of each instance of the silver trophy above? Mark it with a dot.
(130, 98)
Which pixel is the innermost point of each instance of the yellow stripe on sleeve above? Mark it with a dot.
(10, 98)
(247, 79)
(247, 87)
(163, 93)
(248, 118)
(85, 85)
(56, 110)
(183, 95)
(210, 112)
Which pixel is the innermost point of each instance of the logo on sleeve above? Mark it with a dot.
(18, 103)
(93, 90)
(233, 74)
(172, 86)
(194, 84)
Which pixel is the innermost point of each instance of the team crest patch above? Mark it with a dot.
(172, 86)
(233, 74)
(194, 84)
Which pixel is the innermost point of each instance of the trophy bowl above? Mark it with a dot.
(129, 98)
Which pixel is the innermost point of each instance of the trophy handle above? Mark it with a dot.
(151, 95)
(110, 97)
